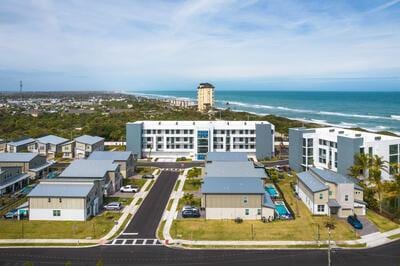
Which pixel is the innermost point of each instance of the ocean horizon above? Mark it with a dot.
(374, 111)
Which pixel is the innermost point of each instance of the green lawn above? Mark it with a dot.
(381, 222)
(170, 204)
(145, 170)
(139, 201)
(124, 201)
(183, 159)
(194, 172)
(128, 218)
(94, 228)
(192, 184)
(304, 227)
(150, 185)
(395, 236)
(196, 203)
(177, 185)
(160, 230)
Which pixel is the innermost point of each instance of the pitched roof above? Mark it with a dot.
(229, 185)
(88, 169)
(18, 156)
(110, 155)
(58, 189)
(234, 169)
(268, 201)
(21, 142)
(311, 182)
(52, 139)
(333, 177)
(88, 139)
(227, 157)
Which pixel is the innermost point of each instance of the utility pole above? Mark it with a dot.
(329, 246)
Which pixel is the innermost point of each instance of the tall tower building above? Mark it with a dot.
(205, 97)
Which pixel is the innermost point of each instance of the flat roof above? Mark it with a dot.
(189, 124)
(21, 142)
(110, 155)
(55, 189)
(88, 169)
(17, 156)
(89, 139)
(52, 139)
(331, 134)
(235, 185)
(311, 182)
(234, 169)
(227, 156)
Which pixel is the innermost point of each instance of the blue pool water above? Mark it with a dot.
(281, 209)
(271, 190)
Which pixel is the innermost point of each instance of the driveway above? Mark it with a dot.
(368, 226)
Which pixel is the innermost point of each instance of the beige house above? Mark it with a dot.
(84, 145)
(68, 149)
(326, 192)
(205, 97)
(50, 145)
(64, 200)
(106, 172)
(236, 197)
(33, 164)
(125, 159)
(21, 145)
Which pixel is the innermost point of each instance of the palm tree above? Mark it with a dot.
(362, 162)
(375, 177)
(188, 198)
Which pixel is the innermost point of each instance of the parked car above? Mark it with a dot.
(11, 214)
(129, 188)
(113, 206)
(189, 208)
(148, 176)
(191, 213)
(352, 219)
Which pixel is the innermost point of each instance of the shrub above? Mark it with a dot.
(238, 220)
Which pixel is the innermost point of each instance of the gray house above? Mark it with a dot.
(125, 159)
(33, 164)
(50, 145)
(22, 145)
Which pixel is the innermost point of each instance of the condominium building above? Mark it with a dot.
(33, 164)
(195, 138)
(205, 97)
(325, 192)
(48, 145)
(334, 148)
(21, 145)
(82, 146)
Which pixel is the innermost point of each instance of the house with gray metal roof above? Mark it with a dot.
(125, 159)
(33, 164)
(226, 157)
(234, 169)
(20, 145)
(236, 197)
(105, 171)
(50, 145)
(12, 179)
(84, 145)
(326, 192)
(58, 200)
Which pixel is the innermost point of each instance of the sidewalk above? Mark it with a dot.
(130, 209)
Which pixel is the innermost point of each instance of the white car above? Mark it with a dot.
(129, 188)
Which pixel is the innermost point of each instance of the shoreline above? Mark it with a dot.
(302, 120)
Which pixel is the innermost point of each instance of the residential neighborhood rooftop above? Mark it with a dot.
(88, 139)
(88, 169)
(110, 155)
(18, 156)
(227, 156)
(52, 139)
(234, 169)
(59, 189)
(21, 142)
(190, 124)
(333, 177)
(312, 182)
(229, 185)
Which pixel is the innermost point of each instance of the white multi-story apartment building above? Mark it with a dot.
(195, 138)
(334, 148)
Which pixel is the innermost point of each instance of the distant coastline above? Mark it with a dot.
(392, 120)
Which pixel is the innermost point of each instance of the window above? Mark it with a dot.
(167, 131)
(321, 208)
(159, 131)
(245, 199)
(56, 212)
(393, 149)
(346, 197)
(60, 200)
(258, 211)
(246, 211)
(370, 150)
(330, 193)
(321, 196)
(49, 200)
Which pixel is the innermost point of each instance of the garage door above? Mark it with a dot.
(345, 212)
(359, 210)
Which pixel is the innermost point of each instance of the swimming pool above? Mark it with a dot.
(272, 191)
(281, 209)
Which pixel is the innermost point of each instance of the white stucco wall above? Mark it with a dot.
(66, 215)
(232, 213)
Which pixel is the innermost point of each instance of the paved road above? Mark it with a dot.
(148, 216)
(158, 255)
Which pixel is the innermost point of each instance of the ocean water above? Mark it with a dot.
(374, 111)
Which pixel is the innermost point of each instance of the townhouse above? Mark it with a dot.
(21, 145)
(326, 192)
(334, 148)
(125, 160)
(81, 147)
(49, 145)
(12, 179)
(195, 139)
(33, 164)
(58, 200)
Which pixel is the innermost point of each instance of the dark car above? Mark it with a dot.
(148, 176)
(11, 214)
(352, 219)
(191, 213)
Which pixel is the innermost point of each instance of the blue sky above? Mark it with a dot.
(151, 45)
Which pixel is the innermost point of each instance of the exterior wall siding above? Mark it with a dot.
(233, 201)
(65, 215)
